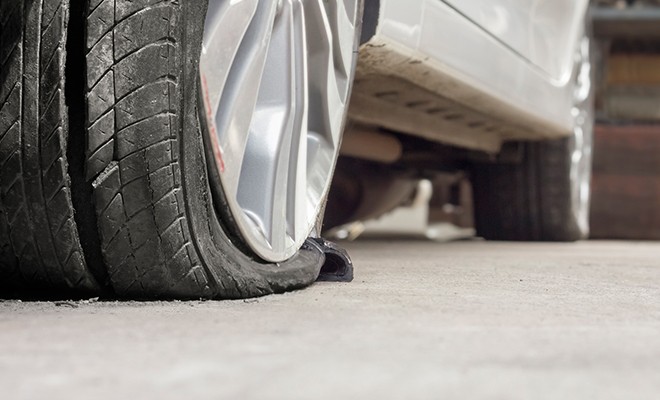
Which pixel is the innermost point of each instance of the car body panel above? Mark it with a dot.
(436, 48)
(538, 30)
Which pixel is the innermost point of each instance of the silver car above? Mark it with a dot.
(503, 85)
(185, 148)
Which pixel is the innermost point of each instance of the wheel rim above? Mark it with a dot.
(582, 139)
(275, 83)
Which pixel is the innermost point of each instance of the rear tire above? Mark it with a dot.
(531, 200)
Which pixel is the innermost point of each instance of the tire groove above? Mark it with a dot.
(63, 223)
(146, 174)
(12, 220)
(52, 133)
(168, 40)
(117, 22)
(10, 54)
(6, 25)
(178, 219)
(150, 146)
(168, 113)
(69, 255)
(56, 93)
(91, 11)
(161, 79)
(44, 29)
(5, 161)
(51, 59)
(100, 149)
(57, 191)
(11, 186)
(16, 86)
(114, 104)
(148, 206)
(106, 112)
(4, 134)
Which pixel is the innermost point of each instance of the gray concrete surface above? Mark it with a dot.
(421, 321)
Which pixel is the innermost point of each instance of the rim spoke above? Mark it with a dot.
(297, 166)
(326, 106)
(278, 124)
(219, 51)
(241, 90)
(342, 19)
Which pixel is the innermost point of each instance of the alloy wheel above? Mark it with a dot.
(582, 144)
(275, 84)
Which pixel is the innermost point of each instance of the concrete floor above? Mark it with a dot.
(421, 321)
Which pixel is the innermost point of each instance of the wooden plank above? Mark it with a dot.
(625, 207)
(626, 183)
(633, 69)
(627, 149)
(632, 103)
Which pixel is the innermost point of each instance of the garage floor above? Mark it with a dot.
(422, 320)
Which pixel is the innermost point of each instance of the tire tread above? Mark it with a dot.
(40, 250)
(132, 154)
(527, 201)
